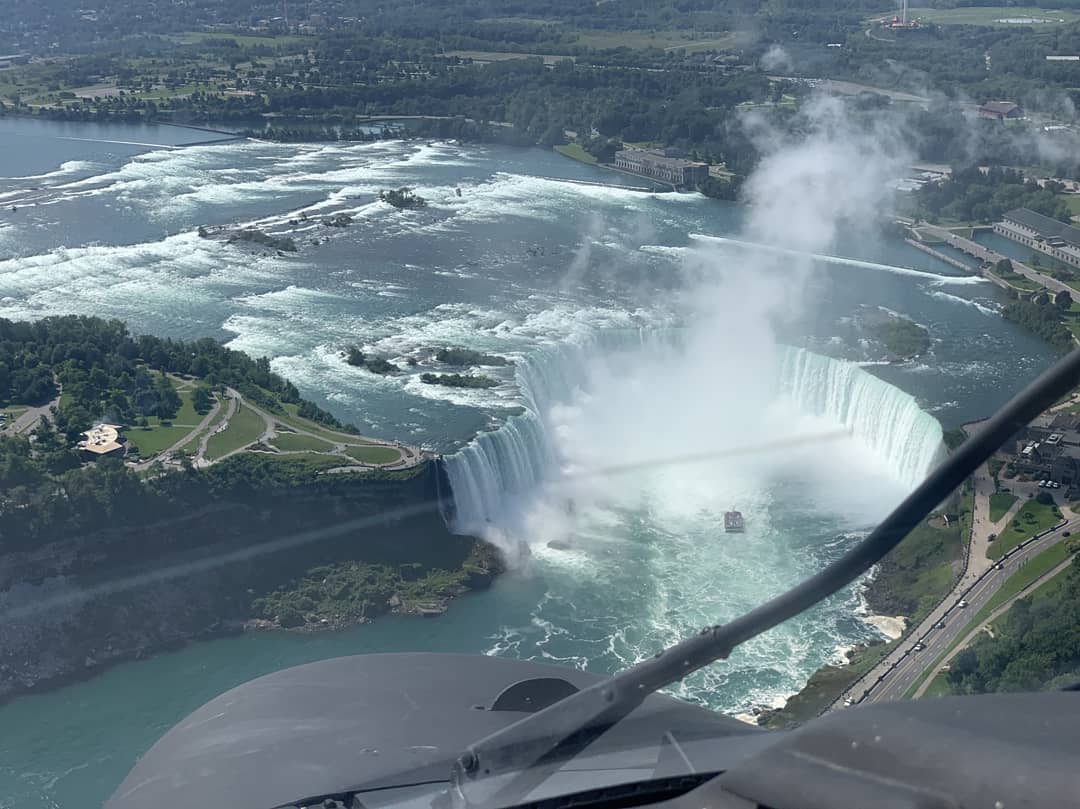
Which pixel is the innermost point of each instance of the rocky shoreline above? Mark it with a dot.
(176, 632)
(74, 606)
(907, 580)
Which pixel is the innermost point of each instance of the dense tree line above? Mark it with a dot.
(1043, 316)
(973, 195)
(1035, 646)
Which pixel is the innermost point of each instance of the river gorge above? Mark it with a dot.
(643, 357)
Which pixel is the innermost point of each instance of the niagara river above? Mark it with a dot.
(657, 380)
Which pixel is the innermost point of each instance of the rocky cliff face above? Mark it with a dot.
(79, 603)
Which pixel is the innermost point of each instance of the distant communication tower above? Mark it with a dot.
(901, 22)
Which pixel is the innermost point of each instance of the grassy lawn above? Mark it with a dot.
(293, 419)
(666, 40)
(939, 687)
(1032, 519)
(294, 442)
(290, 40)
(373, 454)
(193, 445)
(1038, 565)
(152, 440)
(1017, 281)
(999, 504)
(575, 152)
(1073, 201)
(989, 15)
(245, 427)
(186, 414)
(313, 460)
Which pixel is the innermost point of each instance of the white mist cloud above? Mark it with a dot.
(716, 387)
(775, 58)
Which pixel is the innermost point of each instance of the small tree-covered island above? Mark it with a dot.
(153, 491)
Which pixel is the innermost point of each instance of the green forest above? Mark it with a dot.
(678, 74)
(975, 195)
(1035, 645)
(1045, 316)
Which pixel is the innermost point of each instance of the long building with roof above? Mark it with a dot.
(677, 172)
(1041, 233)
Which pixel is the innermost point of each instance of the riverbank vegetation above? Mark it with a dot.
(974, 195)
(1043, 317)
(902, 339)
(465, 356)
(909, 581)
(377, 365)
(336, 595)
(459, 380)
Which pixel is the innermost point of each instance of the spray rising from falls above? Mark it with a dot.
(500, 472)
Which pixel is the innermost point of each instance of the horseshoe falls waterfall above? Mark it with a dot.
(500, 473)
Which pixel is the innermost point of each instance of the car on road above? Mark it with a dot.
(961, 604)
(999, 566)
(919, 646)
(848, 702)
(939, 625)
(1042, 484)
(1056, 485)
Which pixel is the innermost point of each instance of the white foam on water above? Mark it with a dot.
(532, 197)
(936, 278)
(171, 277)
(67, 168)
(683, 571)
(945, 296)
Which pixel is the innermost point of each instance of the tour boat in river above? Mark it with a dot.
(733, 522)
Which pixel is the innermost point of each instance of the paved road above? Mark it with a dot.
(993, 616)
(910, 665)
(230, 411)
(27, 420)
(902, 663)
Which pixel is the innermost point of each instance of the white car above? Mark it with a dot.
(1056, 485)
(1042, 484)
(961, 604)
